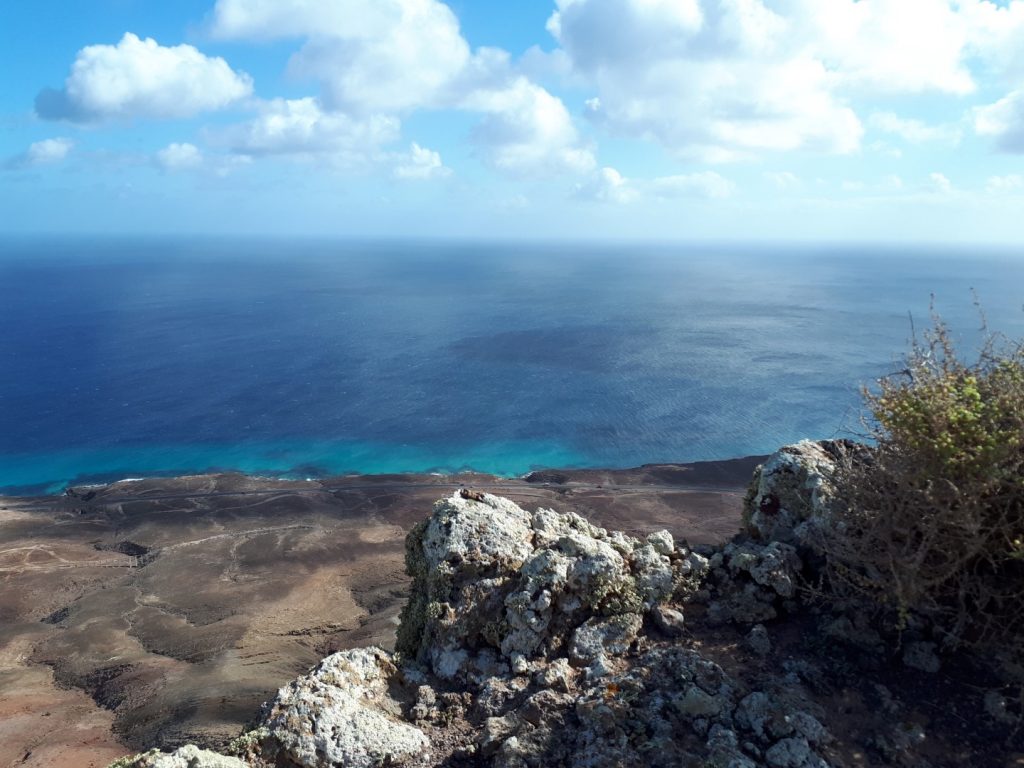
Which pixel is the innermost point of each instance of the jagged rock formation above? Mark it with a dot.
(538, 639)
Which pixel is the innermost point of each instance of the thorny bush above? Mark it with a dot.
(932, 524)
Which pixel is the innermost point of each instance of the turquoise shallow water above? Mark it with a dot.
(129, 358)
(49, 472)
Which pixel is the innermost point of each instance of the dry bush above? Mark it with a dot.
(932, 523)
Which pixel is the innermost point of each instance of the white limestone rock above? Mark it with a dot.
(490, 577)
(601, 637)
(188, 756)
(343, 713)
(482, 532)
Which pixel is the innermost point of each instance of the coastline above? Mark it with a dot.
(165, 610)
(311, 473)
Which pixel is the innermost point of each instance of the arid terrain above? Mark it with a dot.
(165, 611)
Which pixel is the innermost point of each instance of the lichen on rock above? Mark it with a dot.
(795, 485)
(496, 585)
(344, 712)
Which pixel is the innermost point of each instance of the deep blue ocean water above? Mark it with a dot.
(125, 358)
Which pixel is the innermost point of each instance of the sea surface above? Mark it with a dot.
(123, 358)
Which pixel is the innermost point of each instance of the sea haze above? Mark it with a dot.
(123, 358)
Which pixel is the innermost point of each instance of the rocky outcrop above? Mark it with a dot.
(497, 588)
(538, 639)
(535, 639)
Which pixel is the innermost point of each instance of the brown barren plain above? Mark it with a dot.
(165, 611)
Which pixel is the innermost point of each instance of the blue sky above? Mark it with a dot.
(665, 119)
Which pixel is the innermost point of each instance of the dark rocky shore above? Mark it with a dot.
(166, 611)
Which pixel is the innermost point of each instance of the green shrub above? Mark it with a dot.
(932, 523)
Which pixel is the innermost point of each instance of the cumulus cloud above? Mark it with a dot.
(141, 78)
(892, 183)
(179, 157)
(609, 186)
(890, 46)
(783, 179)
(277, 19)
(1002, 185)
(48, 151)
(1003, 121)
(720, 81)
(994, 32)
(940, 183)
(914, 131)
(301, 127)
(378, 59)
(727, 79)
(185, 157)
(527, 131)
(370, 55)
(706, 184)
(45, 152)
(421, 164)
(606, 186)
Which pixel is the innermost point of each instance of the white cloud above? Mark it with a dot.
(45, 152)
(301, 127)
(48, 151)
(597, 33)
(727, 79)
(1003, 121)
(609, 186)
(369, 55)
(886, 149)
(892, 183)
(940, 183)
(783, 179)
(1001, 185)
(421, 163)
(914, 131)
(606, 185)
(279, 19)
(179, 157)
(701, 184)
(527, 131)
(994, 33)
(889, 46)
(140, 78)
(883, 188)
(378, 58)
(718, 81)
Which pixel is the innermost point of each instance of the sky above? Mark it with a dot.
(784, 120)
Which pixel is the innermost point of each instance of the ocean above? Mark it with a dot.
(126, 358)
